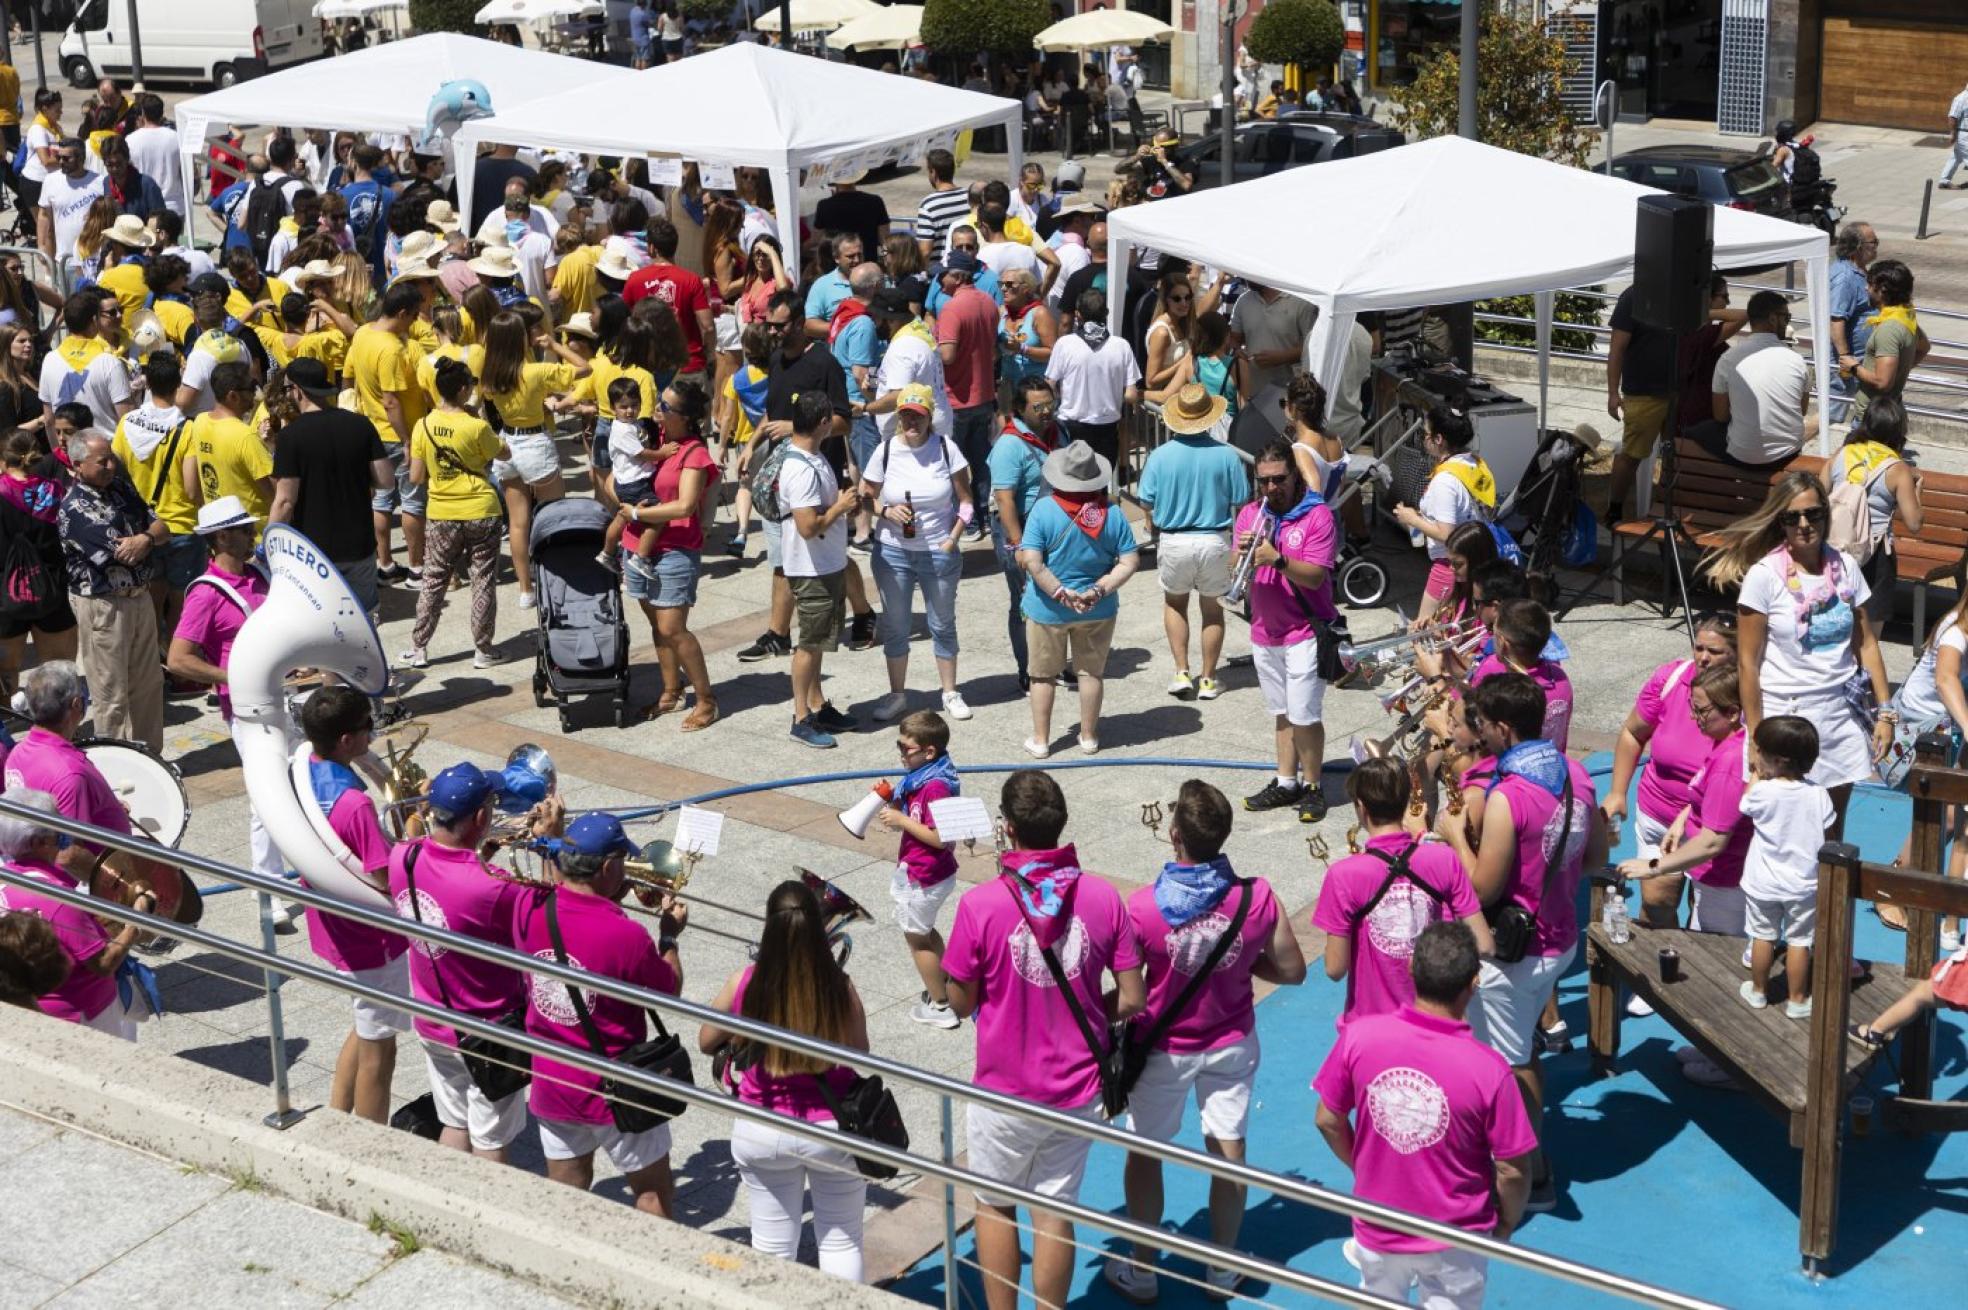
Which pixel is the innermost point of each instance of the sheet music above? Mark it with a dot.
(698, 830)
(961, 818)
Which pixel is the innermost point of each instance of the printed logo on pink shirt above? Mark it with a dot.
(1295, 536)
(1574, 844)
(1409, 1109)
(1400, 918)
(1189, 946)
(1029, 959)
(433, 916)
(550, 998)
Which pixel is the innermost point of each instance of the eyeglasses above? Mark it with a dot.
(1702, 713)
(1277, 480)
(1797, 518)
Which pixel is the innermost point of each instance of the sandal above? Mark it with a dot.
(1893, 916)
(702, 717)
(662, 705)
(1864, 1035)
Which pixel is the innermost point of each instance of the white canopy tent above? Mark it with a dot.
(385, 88)
(774, 110)
(1440, 221)
(536, 11)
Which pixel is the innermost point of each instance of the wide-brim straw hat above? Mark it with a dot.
(441, 216)
(129, 230)
(1078, 467)
(617, 262)
(1193, 409)
(495, 261)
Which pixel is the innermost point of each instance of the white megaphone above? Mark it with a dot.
(857, 819)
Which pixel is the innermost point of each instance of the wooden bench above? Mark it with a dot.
(1711, 494)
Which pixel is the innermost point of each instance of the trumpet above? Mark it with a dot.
(1246, 569)
(1373, 659)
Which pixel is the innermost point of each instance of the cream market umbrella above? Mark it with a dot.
(1103, 27)
(819, 15)
(894, 27)
(356, 8)
(535, 11)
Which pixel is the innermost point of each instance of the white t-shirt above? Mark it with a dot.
(154, 152)
(1447, 500)
(1091, 383)
(538, 218)
(105, 385)
(38, 138)
(1790, 666)
(1767, 384)
(921, 478)
(197, 261)
(1000, 256)
(808, 482)
(1789, 818)
(1919, 698)
(1958, 111)
(911, 359)
(197, 373)
(1073, 256)
(67, 201)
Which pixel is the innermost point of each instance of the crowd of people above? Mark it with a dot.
(386, 374)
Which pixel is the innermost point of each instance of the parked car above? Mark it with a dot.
(1738, 179)
(1265, 147)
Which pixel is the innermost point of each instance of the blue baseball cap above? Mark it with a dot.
(460, 790)
(598, 834)
(962, 261)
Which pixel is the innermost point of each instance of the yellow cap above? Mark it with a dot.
(917, 396)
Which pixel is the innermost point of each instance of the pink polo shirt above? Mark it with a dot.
(1281, 610)
(1718, 793)
(1378, 981)
(1537, 823)
(86, 993)
(1678, 748)
(454, 891)
(1433, 1110)
(212, 622)
(926, 867)
(599, 936)
(47, 762)
(795, 1095)
(342, 943)
(1550, 677)
(1223, 1011)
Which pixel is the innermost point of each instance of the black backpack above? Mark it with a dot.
(1805, 167)
(266, 205)
(30, 588)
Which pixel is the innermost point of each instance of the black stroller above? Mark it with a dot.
(584, 637)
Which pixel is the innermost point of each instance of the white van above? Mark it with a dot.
(214, 42)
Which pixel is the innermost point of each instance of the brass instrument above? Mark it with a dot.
(1373, 659)
(838, 910)
(1246, 567)
(398, 777)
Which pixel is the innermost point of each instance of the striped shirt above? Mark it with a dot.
(937, 211)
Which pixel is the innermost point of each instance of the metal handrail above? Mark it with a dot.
(1296, 1189)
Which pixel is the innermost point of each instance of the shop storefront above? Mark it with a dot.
(1404, 34)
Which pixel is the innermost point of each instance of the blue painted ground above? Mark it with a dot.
(1691, 1188)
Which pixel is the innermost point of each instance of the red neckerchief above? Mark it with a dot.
(1087, 509)
(846, 312)
(1045, 445)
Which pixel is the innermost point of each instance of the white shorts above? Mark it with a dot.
(1289, 678)
(1448, 1280)
(1844, 745)
(1509, 999)
(1193, 561)
(1222, 1079)
(1717, 910)
(1794, 922)
(374, 1022)
(117, 1021)
(1013, 1149)
(1647, 834)
(492, 1124)
(534, 458)
(631, 1152)
(917, 906)
(730, 337)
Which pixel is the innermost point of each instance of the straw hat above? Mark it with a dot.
(441, 216)
(581, 325)
(1193, 409)
(495, 261)
(129, 230)
(419, 248)
(315, 270)
(1079, 203)
(1077, 468)
(617, 262)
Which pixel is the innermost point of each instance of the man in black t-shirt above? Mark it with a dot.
(860, 212)
(1642, 381)
(326, 464)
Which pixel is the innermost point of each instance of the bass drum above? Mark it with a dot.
(152, 793)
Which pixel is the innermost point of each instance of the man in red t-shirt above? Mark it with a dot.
(967, 339)
(676, 286)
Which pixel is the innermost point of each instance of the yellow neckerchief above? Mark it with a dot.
(42, 119)
(1474, 474)
(919, 330)
(291, 227)
(76, 351)
(1864, 458)
(1901, 314)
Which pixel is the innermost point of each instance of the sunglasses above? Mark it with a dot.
(776, 328)
(1797, 518)
(1278, 480)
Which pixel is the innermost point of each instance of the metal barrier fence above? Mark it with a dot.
(941, 1167)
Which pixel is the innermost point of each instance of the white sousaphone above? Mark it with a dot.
(310, 619)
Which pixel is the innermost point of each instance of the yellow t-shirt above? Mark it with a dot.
(9, 96)
(275, 345)
(231, 461)
(380, 363)
(741, 429)
(328, 345)
(423, 337)
(170, 503)
(177, 318)
(238, 303)
(126, 283)
(606, 371)
(574, 281)
(427, 366)
(525, 405)
(456, 449)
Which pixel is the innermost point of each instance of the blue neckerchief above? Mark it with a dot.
(134, 976)
(1535, 761)
(1554, 650)
(7, 738)
(1185, 892)
(330, 780)
(1044, 879)
(751, 394)
(1311, 502)
(508, 295)
(694, 208)
(939, 769)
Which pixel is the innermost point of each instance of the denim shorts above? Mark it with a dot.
(775, 542)
(674, 585)
(411, 500)
(183, 559)
(863, 440)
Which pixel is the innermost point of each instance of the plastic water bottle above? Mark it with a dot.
(1613, 917)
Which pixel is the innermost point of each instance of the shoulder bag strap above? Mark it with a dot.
(1166, 1019)
(1087, 1031)
(1397, 870)
(1564, 840)
(170, 463)
(417, 913)
(588, 1028)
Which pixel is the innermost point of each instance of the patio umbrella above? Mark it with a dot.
(818, 15)
(535, 11)
(1103, 27)
(895, 27)
(355, 8)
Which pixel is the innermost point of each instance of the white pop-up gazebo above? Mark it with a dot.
(385, 88)
(1440, 221)
(752, 106)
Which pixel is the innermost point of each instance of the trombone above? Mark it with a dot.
(1373, 659)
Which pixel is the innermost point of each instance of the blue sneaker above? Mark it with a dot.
(808, 733)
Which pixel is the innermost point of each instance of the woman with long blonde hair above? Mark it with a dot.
(515, 386)
(87, 261)
(353, 290)
(795, 983)
(1806, 645)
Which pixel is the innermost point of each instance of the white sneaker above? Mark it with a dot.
(1753, 995)
(1798, 1009)
(415, 657)
(485, 659)
(1637, 1006)
(527, 601)
(286, 914)
(1089, 745)
(1037, 749)
(926, 1011)
(892, 706)
(1180, 686)
(955, 706)
(1210, 689)
(1222, 1283)
(1131, 1281)
(1950, 943)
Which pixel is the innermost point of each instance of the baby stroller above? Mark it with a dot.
(584, 638)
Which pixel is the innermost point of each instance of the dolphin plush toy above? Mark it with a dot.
(455, 104)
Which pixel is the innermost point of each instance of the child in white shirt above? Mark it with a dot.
(1780, 870)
